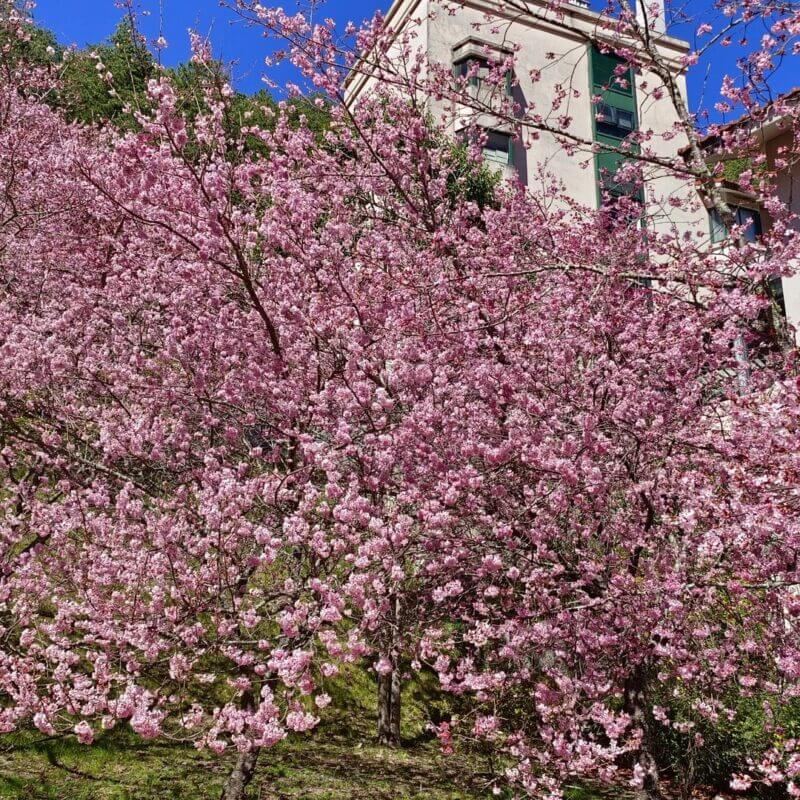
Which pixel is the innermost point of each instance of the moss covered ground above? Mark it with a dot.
(339, 761)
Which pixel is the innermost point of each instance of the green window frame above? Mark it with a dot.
(605, 81)
(617, 107)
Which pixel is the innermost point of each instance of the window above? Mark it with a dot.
(614, 122)
(752, 218)
(466, 66)
(462, 68)
(618, 174)
(609, 74)
(498, 148)
(744, 216)
(615, 119)
(621, 210)
(775, 286)
(769, 329)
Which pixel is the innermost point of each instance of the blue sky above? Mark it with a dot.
(90, 21)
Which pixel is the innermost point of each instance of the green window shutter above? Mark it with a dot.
(616, 98)
(608, 164)
(603, 66)
(613, 141)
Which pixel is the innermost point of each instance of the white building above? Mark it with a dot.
(772, 136)
(564, 52)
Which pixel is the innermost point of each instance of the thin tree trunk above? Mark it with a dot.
(645, 760)
(390, 688)
(385, 708)
(740, 351)
(651, 789)
(395, 694)
(389, 708)
(241, 775)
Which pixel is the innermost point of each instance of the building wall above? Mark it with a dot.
(689, 214)
(570, 69)
(789, 193)
(406, 16)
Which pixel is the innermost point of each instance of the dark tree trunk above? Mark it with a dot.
(384, 708)
(635, 705)
(395, 694)
(389, 708)
(241, 775)
(389, 685)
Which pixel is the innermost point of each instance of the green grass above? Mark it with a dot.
(340, 761)
(119, 768)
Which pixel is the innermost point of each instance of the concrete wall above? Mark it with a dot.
(407, 17)
(537, 36)
(789, 193)
(672, 200)
(570, 68)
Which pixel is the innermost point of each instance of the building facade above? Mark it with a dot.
(562, 51)
(767, 143)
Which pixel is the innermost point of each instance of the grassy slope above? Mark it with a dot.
(338, 770)
(339, 762)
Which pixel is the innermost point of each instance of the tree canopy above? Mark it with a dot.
(291, 385)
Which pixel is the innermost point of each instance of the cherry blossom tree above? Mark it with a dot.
(680, 471)
(201, 345)
(167, 559)
(264, 410)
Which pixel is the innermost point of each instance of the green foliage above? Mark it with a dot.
(193, 80)
(107, 83)
(31, 50)
(735, 167)
(86, 95)
(726, 745)
(354, 710)
(470, 182)
(317, 116)
(586, 792)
